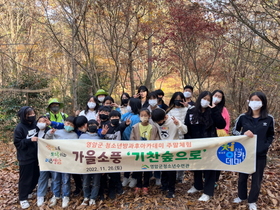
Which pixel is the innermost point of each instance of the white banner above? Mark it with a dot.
(83, 156)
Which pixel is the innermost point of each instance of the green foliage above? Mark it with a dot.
(12, 101)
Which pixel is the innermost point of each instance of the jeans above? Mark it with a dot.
(43, 183)
(58, 180)
(93, 193)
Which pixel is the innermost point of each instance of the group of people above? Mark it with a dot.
(144, 116)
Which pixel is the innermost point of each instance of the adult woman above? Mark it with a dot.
(25, 141)
(91, 109)
(202, 121)
(255, 121)
(218, 98)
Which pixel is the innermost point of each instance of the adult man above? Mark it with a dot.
(54, 113)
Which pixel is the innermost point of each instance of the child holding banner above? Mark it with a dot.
(62, 178)
(143, 131)
(169, 129)
(256, 121)
(202, 121)
(90, 195)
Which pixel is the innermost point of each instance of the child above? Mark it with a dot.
(143, 131)
(169, 129)
(90, 195)
(109, 101)
(64, 178)
(178, 110)
(113, 131)
(161, 103)
(202, 121)
(124, 101)
(153, 101)
(91, 109)
(103, 116)
(255, 121)
(25, 141)
(133, 107)
(44, 175)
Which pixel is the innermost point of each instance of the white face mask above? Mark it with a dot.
(216, 100)
(153, 102)
(91, 105)
(128, 108)
(41, 126)
(204, 103)
(255, 105)
(187, 94)
(101, 98)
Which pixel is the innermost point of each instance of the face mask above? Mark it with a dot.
(103, 116)
(124, 101)
(159, 99)
(68, 128)
(216, 100)
(153, 102)
(187, 94)
(92, 129)
(55, 108)
(41, 126)
(115, 122)
(31, 119)
(128, 108)
(101, 98)
(160, 124)
(91, 105)
(144, 119)
(204, 103)
(255, 105)
(178, 102)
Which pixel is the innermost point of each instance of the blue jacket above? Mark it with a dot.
(134, 118)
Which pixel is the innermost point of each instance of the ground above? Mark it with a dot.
(225, 192)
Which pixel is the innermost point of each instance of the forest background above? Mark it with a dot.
(71, 48)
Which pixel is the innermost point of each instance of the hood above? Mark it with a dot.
(22, 113)
(54, 100)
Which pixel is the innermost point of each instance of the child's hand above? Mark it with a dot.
(77, 112)
(186, 104)
(213, 105)
(52, 131)
(114, 105)
(249, 134)
(136, 95)
(47, 121)
(105, 129)
(34, 138)
(128, 121)
(176, 122)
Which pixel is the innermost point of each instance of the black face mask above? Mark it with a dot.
(115, 122)
(178, 102)
(124, 101)
(159, 99)
(31, 119)
(160, 124)
(92, 129)
(55, 108)
(103, 116)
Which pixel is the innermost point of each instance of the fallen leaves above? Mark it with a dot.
(224, 194)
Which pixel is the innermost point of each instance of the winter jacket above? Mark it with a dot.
(199, 130)
(134, 118)
(262, 127)
(24, 131)
(135, 133)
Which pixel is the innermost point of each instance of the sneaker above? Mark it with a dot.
(204, 197)
(65, 201)
(170, 195)
(85, 202)
(132, 183)
(53, 201)
(40, 201)
(192, 190)
(237, 200)
(92, 202)
(252, 206)
(24, 204)
(125, 181)
(158, 181)
(137, 190)
(145, 191)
